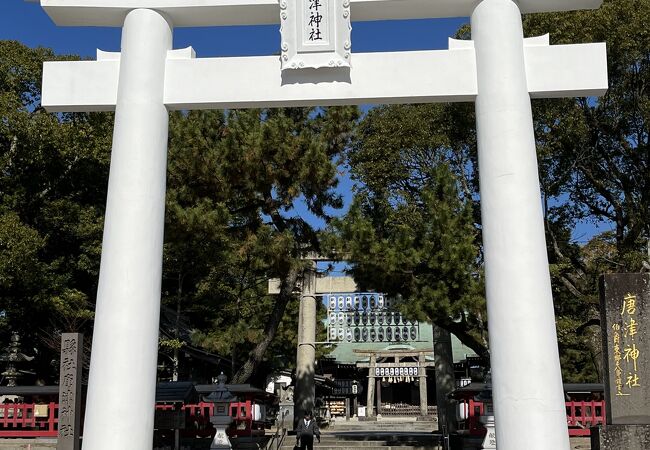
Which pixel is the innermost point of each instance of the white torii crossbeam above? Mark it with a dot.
(400, 77)
(499, 70)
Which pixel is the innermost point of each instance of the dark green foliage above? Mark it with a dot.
(595, 168)
(51, 208)
(411, 230)
(230, 225)
(234, 178)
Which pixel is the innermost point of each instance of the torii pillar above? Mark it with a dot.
(304, 394)
(521, 318)
(121, 394)
(500, 70)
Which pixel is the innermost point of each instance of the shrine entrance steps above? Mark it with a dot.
(373, 440)
(402, 433)
(388, 424)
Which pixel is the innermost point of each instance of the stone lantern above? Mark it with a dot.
(487, 419)
(221, 397)
(12, 356)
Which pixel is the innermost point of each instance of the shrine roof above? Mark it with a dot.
(176, 392)
(240, 390)
(344, 352)
(195, 13)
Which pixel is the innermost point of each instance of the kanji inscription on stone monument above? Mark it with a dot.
(70, 391)
(625, 309)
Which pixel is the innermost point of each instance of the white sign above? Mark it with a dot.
(315, 33)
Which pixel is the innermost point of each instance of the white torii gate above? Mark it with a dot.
(499, 70)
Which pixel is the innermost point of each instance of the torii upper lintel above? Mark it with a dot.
(197, 13)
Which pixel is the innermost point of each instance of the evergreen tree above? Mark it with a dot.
(51, 208)
(595, 168)
(234, 179)
(411, 229)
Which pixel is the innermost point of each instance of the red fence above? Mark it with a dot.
(29, 420)
(580, 416)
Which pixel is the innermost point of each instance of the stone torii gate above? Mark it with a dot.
(372, 365)
(498, 69)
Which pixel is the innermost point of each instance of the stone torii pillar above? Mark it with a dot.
(499, 70)
(521, 317)
(305, 392)
(424, 407)
(121, 394)
(370, 395)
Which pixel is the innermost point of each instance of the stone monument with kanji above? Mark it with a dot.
(625, 321)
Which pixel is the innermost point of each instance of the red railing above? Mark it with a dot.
(199, 419)
(198, 416)
(580, 416)
(41, 420)
(29, 420)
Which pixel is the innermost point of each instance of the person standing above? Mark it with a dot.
(306, 431)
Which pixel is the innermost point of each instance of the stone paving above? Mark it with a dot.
(580, 443)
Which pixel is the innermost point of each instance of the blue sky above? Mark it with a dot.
(28, 23)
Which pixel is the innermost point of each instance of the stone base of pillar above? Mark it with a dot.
(285, 418)
(615, 437)
(490, 441)
(221, 441)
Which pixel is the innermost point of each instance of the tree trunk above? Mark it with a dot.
(458, 329)
(177, 331)
(445, 383)
(257, 354)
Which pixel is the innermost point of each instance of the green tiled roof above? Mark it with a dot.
(343, 352)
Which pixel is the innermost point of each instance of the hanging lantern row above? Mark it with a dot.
(358, 302)
(380, 334)
(372, 318)
(397, 374)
